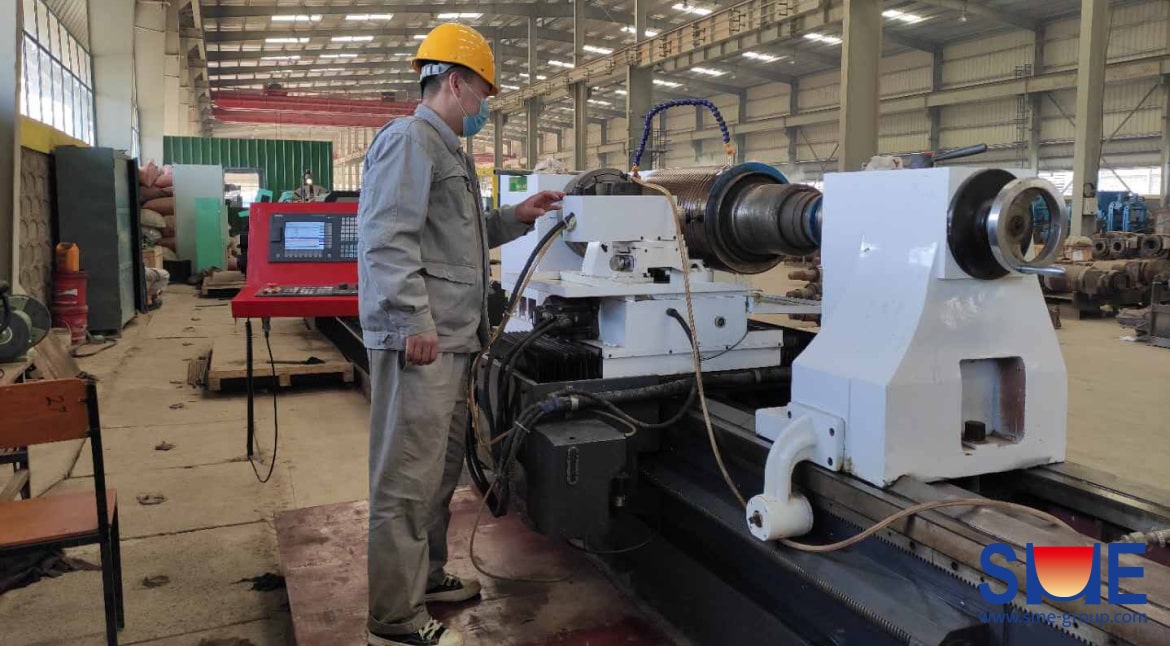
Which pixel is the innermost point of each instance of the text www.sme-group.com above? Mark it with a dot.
(1066, 620)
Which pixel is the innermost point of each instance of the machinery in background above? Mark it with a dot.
(1122, 211)
(24, 321)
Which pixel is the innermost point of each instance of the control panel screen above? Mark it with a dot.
(304, 236)
(312, 238)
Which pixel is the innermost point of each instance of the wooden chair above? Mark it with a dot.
(43, 412)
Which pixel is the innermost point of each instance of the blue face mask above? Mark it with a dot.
(472, 124)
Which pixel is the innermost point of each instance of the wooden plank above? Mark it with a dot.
(13, 487)
(39, 412)
(10, 372)
(299, 354)
(53, 358)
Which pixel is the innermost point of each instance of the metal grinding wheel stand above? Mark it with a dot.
(932, 326)
(24, 322)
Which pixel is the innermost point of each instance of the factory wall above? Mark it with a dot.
(1137, 30)
(282, 161)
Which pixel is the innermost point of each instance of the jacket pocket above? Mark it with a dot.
(462, 274)
(453, 296)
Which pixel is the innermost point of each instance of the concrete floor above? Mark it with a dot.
(216, 525)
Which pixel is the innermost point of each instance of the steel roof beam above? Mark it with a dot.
(532, 9)
(508, 33)
(995, 15)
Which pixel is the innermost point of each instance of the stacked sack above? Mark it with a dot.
(156, 192)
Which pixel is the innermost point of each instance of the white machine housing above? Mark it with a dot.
(911, 348)
(636, 336)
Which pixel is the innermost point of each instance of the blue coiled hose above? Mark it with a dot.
(673, 103)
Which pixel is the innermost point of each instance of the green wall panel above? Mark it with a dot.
(281, 160)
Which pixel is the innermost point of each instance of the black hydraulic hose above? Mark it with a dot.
(507, 364)
(521, 279)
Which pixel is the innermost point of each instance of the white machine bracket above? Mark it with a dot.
(799, 433)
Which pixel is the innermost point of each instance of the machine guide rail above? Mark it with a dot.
(945, 544)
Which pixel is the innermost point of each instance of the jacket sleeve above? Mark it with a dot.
(503, 227)
(395, 188)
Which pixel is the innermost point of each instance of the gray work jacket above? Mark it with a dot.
(422, 261)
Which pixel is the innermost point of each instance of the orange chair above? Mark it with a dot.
(42, 412)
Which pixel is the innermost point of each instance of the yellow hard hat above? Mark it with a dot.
(459, 45)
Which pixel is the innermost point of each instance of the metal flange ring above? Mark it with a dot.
(1009, 226)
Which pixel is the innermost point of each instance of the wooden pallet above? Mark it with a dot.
(302, 357)
(222, 284)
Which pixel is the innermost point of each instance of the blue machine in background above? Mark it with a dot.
(1122, 211)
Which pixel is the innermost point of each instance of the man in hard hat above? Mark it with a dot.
(423, 280)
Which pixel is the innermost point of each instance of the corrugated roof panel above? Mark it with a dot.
(74, 14)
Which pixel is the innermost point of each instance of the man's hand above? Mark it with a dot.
(537, 205)
(421, 349)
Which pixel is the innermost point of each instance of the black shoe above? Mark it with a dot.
(452, 590)
(432, 634)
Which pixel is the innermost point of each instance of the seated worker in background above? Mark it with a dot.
(423, 283)
(308, 191)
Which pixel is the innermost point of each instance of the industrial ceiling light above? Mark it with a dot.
(297, 18)
(598, 102)
(367, 17)
(687, 7)
(903, 16)
(767, 58)
(539, 77)
(708, 71)
(963, 12)
(649, 33)
(620, 92)
(593, 49)
(419, 36)
(338, 56)
(670, 84)
(280, 58)
(510, 87)
(351, 39)
(823, 38)
(286, 40)
(457, 16)
(561, 64)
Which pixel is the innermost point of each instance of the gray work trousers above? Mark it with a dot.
(418, 418)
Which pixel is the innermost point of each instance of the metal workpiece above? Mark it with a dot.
(743, 218)
(990, 226)
(1089, 280)
(1155, 245)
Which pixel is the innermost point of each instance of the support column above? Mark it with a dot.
(498, 119)
(639, 100)
(793, 132)
(532, 135)
(150, 62)
(697, 145)
(111, 40)
(580, 91)
(532, 139)
(860, 77)
(639, 89)
(11, 41)
(174, 107)
(1089, 115)
(741, 117)
(1035, 103)
(1166, 141)
(934, 114)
